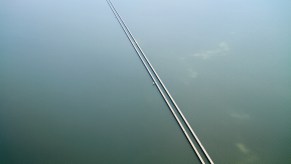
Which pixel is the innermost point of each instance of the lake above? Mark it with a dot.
(73, 90)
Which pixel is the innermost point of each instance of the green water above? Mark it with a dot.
(72, 89)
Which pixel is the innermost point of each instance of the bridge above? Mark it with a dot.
(186, 128)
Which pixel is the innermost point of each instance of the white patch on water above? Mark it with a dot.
(192, 74)
(240, 116)
(242, 148)
(221, 50)
(248, 156)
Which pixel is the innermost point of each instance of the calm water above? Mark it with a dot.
(72, 90)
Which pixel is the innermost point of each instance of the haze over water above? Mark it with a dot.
(72, 89)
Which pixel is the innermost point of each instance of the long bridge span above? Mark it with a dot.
(186, 128)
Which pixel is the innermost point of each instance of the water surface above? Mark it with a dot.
(72, 90)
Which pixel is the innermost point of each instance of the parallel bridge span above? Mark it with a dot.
(175, 110)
